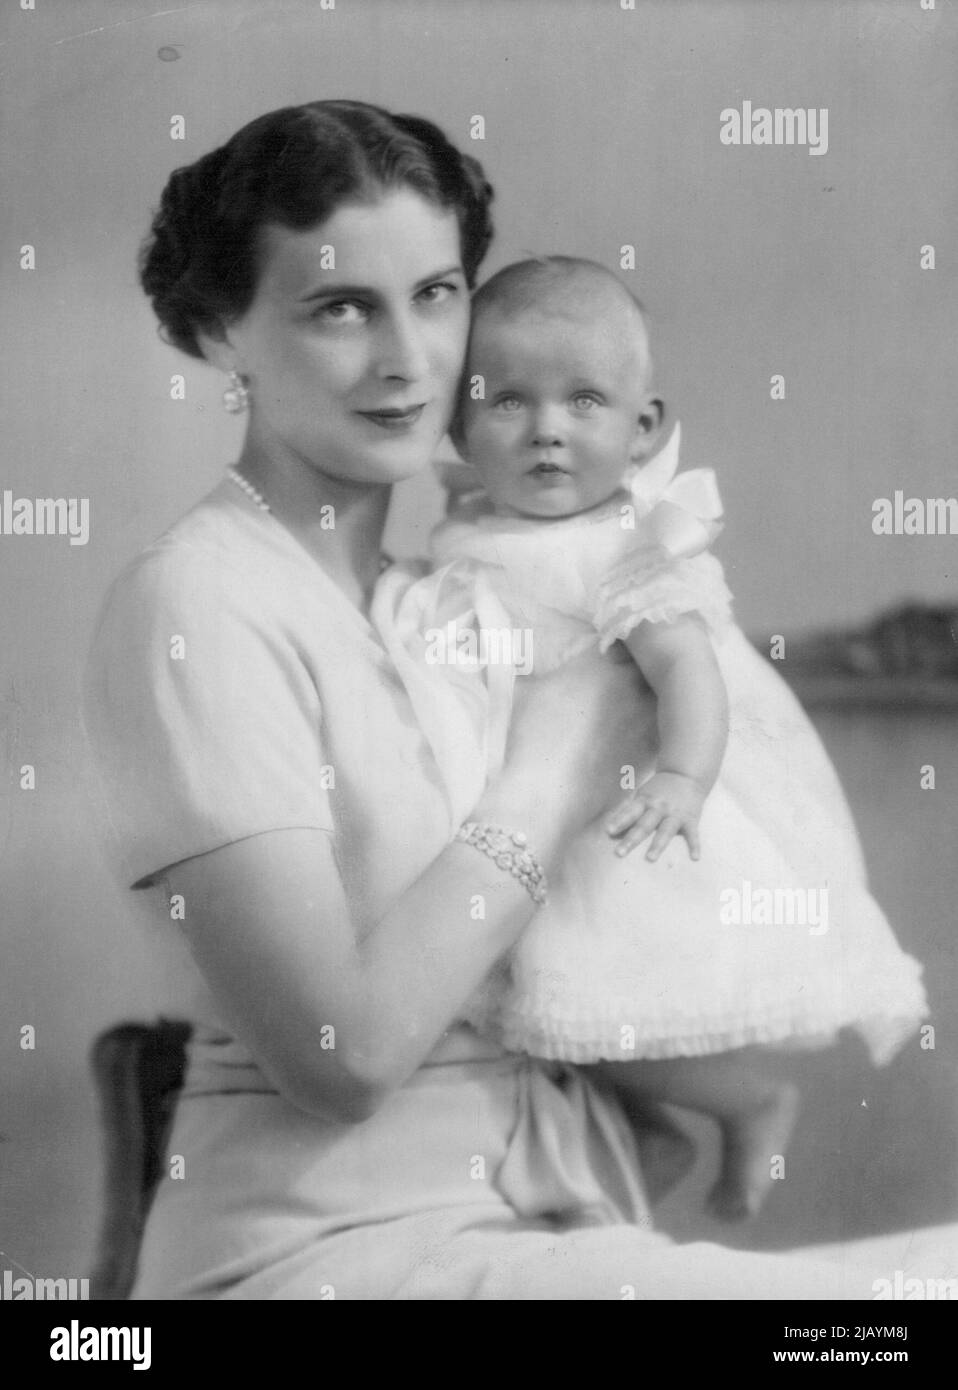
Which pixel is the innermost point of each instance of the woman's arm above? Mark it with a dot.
(269, 923)
(679, 664)
(336, 1022)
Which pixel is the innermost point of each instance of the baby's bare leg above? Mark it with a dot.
(755, 1114)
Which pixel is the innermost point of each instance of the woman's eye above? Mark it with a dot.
(345, 311)
(585, 401)
(508, 403)
(438, 293)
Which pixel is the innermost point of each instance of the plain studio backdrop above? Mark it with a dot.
(601, 130)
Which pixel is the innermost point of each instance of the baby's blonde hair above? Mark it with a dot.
(549, 283)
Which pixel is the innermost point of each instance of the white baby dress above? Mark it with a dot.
(772, 937)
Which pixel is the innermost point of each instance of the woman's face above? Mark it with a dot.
(354, 342)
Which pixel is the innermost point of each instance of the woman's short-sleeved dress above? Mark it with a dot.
(233, 690)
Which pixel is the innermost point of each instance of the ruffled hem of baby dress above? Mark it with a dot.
(579, 1031)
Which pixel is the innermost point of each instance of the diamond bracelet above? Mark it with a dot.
(509, 849)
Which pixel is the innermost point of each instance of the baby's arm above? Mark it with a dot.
(679, 664)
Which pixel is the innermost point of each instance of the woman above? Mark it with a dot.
(339, 1134)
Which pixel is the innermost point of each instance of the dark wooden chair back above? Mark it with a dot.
(138, 1070)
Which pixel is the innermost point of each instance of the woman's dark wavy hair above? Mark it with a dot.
(200, 263)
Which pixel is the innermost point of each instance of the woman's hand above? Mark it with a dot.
(572, 733)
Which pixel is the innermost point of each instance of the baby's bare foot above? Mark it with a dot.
(750, 1140)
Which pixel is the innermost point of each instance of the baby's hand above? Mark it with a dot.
(667, 805)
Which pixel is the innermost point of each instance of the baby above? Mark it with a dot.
(570, 523)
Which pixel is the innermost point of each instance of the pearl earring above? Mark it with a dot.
(236, 396)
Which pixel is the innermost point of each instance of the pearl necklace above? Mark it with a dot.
(246, 486)
(258, 500)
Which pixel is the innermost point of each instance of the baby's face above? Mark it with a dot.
(562, 413)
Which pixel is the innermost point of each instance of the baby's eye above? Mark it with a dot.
(586, 401)
(508, 403)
